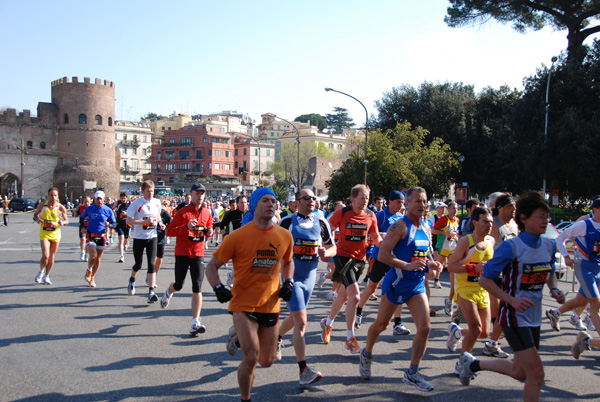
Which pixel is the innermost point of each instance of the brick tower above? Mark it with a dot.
(86, 135)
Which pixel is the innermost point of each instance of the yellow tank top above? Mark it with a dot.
(466, 281)
(50, 228)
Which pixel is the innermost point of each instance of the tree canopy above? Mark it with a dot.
(152, 116)
(578, 17)
(285, 167)
(315, 120)
(339, 120)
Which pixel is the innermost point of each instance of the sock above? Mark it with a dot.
(475, 366)
(413, 369)
(328, 322)
(350, 334)
(557, 312)
(167, 292)
(46, 276)
(196, 321)
(575, 316)
(493, 321)
(302, 365)
(491, 343)
(358, 311)
(435, 281)
(367, 353)
(397, 321)
(279, 338)
(132, 279)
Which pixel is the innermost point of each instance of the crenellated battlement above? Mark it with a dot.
(10, 116)
(86, 80)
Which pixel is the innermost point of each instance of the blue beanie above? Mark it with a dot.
(254, 198)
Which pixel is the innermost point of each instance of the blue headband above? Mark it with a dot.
(254, 198)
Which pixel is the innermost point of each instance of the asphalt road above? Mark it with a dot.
(70, 342)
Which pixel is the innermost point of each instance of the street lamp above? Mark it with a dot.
(554, 59)
(366, 125)
(298, 146)
(23, 152)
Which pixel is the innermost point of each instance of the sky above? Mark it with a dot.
(256, 57)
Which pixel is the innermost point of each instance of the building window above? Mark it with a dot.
(184, 166)
(273, 135)
(184, 154)
(82, 119)
(228, 154)
(204, 139)
(330, 146)
(158, 155)
(171, 140)
(124, 151)
(339, 147)
(209, 165)
(236, 152)
(124, 137)
(255, 165)
(217, 166)
(110, 121)
(98, 120)
(244, 165)
(169, 155)
(66, 119)
(210, 152)
(68, 143)
(186, 140)
(236, 165)
(245, 151)
(29, 145)
(134, 151)
(227, 166)
(268, 152)
(199, 154)
(214, 140)
(255, 151)
(217, 152)
(42, 145)
(199, 167)
(144, 136)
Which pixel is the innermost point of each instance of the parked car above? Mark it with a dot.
(561, 267)
(562, 225)
(21, 204)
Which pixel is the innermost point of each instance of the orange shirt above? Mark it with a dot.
(353, 231)
(256, 256)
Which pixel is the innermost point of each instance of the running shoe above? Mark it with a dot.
(437, 284)
(466, 375)
(127, 244)
(278, 351)
(364, 365)
(87, 257)
(432, 312)
(457, 368)
(308, 376)
(447, 306)
(554, 319)
(581, 344)
(39, 276)
(575, 320)
(88, 275)
(121, 258)
(588, 322)
(352, 345)
(400, 330)
(165, 299)
(457, 315)
(110, 240)
(373, 297)
(230, 278)
(331, 295)
(196, 329)
(131, 288)
(358, 321)
(46, 280)
(92, 282)
(418, 381)
(453, 337)
(232, 344)
(326, 334)
(82, 256)
(152, 297)
(148, 283)
(494, 351)
(321, 280)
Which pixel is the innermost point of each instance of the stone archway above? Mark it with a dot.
(9, 184)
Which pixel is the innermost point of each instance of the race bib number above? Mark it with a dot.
(356, 232)
(123, 215)
(474, 277)
(49, 226)
(150, 224)
(596, 248)
(305, 249)
(196, 234)
(336, 235)
(535, 276)
(418, 255)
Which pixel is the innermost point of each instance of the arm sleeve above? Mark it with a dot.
(441, 223)
(325, 232)
(576, 230)
(175, 225)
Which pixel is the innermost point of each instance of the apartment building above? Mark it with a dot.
(134, 142)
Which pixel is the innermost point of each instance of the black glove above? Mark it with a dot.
(223, 294)
(286, 289)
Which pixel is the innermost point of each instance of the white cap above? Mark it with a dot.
(440, 204)
(99, 194)
(291, 199)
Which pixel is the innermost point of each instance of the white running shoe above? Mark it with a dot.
(38, 277)
(122, 258)
(466, 374)
(308, 376)
(554, 319)
(331, 295)
(581, 344)
(165, 299)
(358, 321)
(453, 337)
(364, 365)
(437, 284)
(196, 329)
(448, 306)
(131, 288)
(321, 280)
(46, 280)
(400, 329)
(278, 352)
(588, 322)
(86, 257)
(82, 256)
(418, 381)
(575, 320)
(232, 344)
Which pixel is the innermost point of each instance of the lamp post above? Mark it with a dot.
(298, 146)
(22, 149)
(554, 59)
(259, 152)
(366, 125)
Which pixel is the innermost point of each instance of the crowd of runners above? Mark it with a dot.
(497, 258)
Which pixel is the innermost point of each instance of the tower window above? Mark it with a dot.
(66, 119)
(110, 121)
(29, 145)
(82, 119)
(42, 145)
(98, 120)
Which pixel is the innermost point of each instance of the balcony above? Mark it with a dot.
(178, 144)
(130, 143)
(129, 170)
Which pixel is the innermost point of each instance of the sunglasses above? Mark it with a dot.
(308, 198)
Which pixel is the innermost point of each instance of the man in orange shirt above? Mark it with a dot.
(261, 251)
(354, 222)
